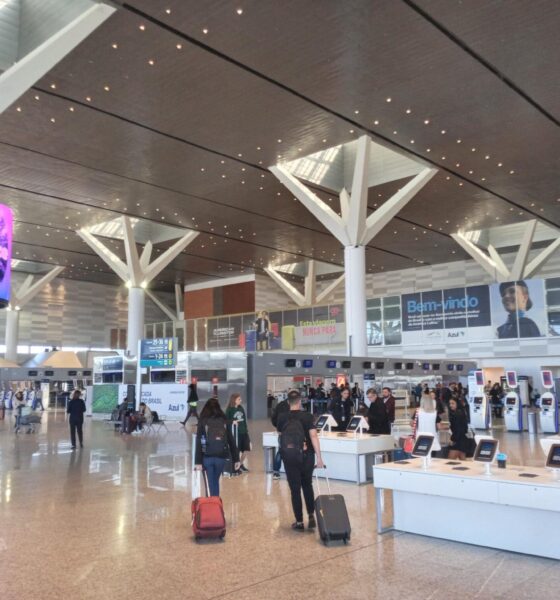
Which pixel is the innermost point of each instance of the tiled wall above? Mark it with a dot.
(76, 314)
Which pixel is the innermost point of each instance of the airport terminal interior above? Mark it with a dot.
(260, 252)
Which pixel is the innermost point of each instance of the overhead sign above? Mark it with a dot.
(108, 364)
(159, 352)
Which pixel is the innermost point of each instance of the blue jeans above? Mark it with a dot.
(214, 468)
(277, 462)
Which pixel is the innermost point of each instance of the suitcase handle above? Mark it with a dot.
(326, 477)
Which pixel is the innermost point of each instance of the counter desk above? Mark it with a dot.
(347, 457)
(516, 509)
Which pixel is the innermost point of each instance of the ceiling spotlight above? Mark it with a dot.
(351, 131)
(114, 46)
(324, 141)
(376, 122)
(356, 112)
(151, 62)
(428, 149)
(239, 11)
(205, 31)
(142, 27)
(36, 97)
(18, 108)
(426, 121)
(500, 164)
(53, 120)
(279, 141)
(53, 86)
(106, 88)
(512, 172)
(88, 98)
(487, 157)
(71, 109)
(459, 141)
(395, 132)
(388, 100)
(412, 141)
(443, 132)
(408, 111)
(179, 46)
(168, 11)
(473, 149)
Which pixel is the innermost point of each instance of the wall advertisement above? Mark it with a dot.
(168, 399)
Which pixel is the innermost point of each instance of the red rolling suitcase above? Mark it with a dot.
(208, 518)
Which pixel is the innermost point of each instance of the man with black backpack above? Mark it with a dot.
(299, 447)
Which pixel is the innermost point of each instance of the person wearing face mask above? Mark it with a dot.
(516, 302)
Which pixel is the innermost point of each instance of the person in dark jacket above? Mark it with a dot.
(76, 409)
(214, 443)
(516, 302)
(459, 427)
(390, 402)
(281, 407)
(341, 409)
(192, 401)
(377, 416)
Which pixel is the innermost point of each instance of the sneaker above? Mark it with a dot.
(298, 526)
(244, 469)
(276, 476)
(73, 447)
(311, 524)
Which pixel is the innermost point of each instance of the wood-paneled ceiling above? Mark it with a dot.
(172, 111)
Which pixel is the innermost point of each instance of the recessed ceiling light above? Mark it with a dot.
(88, 98)
(71, 109)
(412, 141)
(512, 172)
(151, 62)
(428, 149)
(443, 158)
(426, 121)
(279, 141)
(53, 120)
(487, 157)
(443, 131)
(202, 169)
(376, 122)
(388, 100)
(473, 149)
(408, 111)
(395, 132)
(115, 45)
(460, 184)
(179, 46)
(18, 108)
(457, 164)
(205, 31)
(142, 27)
(500, 164)
(324, 141)
(106, 88)
(471, 172)
(53, 86)
(36, 97)
(483, 179)
(351, 131)
(356, 112)
(168, 11)
(239, 11)
(459, 141)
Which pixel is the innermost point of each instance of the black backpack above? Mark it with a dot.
(292, 441)
(216, 438)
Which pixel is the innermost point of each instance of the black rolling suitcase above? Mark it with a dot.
(332, 516)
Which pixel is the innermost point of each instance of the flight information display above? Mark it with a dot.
(159, 352)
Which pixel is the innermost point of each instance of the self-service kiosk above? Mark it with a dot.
(516, 401)
(479, 403)
(548, 415)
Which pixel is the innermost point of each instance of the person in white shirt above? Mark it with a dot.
(427, 420)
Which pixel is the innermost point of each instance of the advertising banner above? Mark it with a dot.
(6, 227)
(313, 333)
(168, 399)
(223, 333)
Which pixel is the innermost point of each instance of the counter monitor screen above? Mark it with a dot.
(49, 373)
(450, 367)
(546, 401)
(423, 445)
(379, 365)
(290, 362)
(435, 366)
(486, 450)
(307, 363)
(459, 367)
(331, 364)
(547, 379)
(478, 400)
(398, 366)
(321, 422)
(32, 373)
(511, 401)
(354, 423)
(425, 366)
(409, 366)
(553, 459)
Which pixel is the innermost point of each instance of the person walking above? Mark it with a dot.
(76, 409)
(17, 404)
(301, 453)
(280, 408)
(39, 399)
(214, 444)
(192, 401)
(235, 414)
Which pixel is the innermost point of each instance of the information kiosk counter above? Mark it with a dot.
(515, 509)
(348, 457)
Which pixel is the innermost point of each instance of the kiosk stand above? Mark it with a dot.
(548, 415)
(325, 423)
(517, 402)
(479, 403)
(358, 424)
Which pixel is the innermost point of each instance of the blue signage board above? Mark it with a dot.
(159, 353)
(112, 363)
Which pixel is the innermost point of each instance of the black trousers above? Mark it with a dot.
(192, 412)
(300, 477)
(79, 428)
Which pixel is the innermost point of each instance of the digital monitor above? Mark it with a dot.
(479, 377)
(72, 373)
(379, 365)
(331, 364)
(553, 458)
(459, 367)
(486, 450)
(511, 401)
(398, 366)
(346, 364)
(450, 367)
(366, 364)
(511, 377)
(6, 228)
(547, 379)
(32, 373)
(321, 422)
(162, 376)
(409, 366)
(477, 400)
(425, 366)
(290, 362)
(86, 373)
(356, 423)
(307, 363)
(545, 401)
(435, 366)
(423, 445)
(49, 373)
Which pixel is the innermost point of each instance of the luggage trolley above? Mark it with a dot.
(27, 418)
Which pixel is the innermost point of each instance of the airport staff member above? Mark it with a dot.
(516, 301)
(299, 461)
(76, 409)
(389, 401)
(342, 408)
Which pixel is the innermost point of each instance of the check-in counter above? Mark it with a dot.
(516, 509)
(348, 457)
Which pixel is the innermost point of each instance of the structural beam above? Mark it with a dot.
(286, 286)
(522, 254)
(16, 80)
(330, 289)
(494, 269)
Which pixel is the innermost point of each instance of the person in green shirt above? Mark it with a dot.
(235, 414)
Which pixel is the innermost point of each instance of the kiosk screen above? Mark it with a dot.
(486, 450)
(547, 379)
(321, 422)
(354, 423)
(423, 445)
(553, 460)
(511, 379)
(478, 400)
(479, 377)
(546, 401)
(511, 401)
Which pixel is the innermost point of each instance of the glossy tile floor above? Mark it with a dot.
(113, 521)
